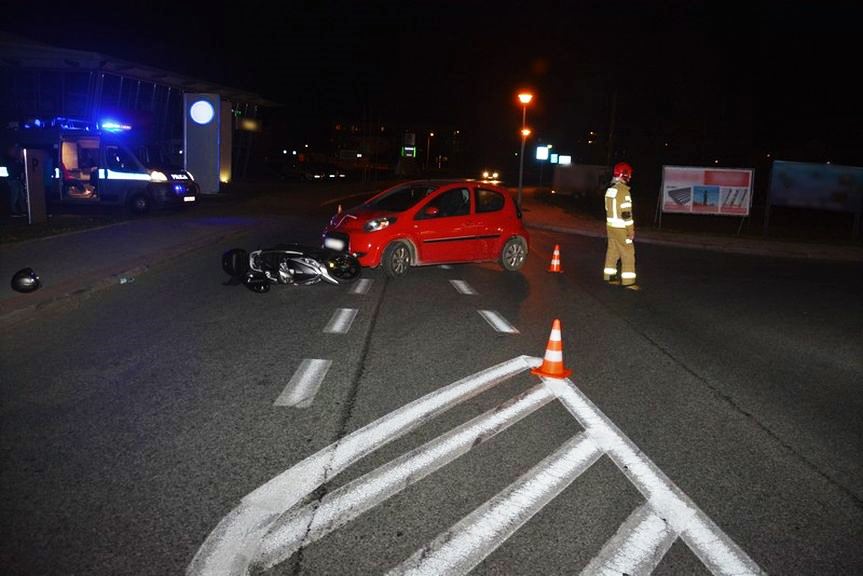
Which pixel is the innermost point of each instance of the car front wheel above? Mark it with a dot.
(139, 204)
(397, 259)
(513, 254)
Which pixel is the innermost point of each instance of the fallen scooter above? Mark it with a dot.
(289, 264)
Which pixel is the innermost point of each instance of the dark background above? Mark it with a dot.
(693, 81)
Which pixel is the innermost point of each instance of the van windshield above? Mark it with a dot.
(402, 198)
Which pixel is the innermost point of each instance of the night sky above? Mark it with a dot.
(706, 77)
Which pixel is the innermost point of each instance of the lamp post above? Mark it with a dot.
(428, 148)
(524, 98)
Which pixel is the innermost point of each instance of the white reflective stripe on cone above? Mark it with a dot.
(554, 355)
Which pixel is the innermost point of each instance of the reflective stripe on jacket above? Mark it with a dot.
(618, 206)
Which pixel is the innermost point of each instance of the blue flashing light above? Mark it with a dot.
(112, 126)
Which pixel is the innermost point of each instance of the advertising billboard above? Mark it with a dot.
(717, 191)
(820, 186)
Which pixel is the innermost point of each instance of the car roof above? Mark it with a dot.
(445, 181)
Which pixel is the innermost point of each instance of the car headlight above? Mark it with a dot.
(378, 223)
(156, 176)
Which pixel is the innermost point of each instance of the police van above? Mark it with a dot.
(83, 163)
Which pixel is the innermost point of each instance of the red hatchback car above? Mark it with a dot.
(427, 222)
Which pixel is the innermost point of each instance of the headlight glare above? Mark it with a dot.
(378, 223)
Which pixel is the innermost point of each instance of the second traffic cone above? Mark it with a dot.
(555, 260)
(552, 364)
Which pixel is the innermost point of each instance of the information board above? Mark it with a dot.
(716, 191)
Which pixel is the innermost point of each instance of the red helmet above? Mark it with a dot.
(623, 171)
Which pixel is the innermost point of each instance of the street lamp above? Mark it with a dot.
(428, 148)
(524, 98)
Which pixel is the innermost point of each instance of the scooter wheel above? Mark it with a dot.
(259, 287)
(345, 268)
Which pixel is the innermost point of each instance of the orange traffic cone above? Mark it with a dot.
(552, 364)
(555, 260)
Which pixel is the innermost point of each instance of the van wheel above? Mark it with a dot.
(396, 259)
(139, 204)
(513, 254)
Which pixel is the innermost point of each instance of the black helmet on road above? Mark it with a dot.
(25, 280)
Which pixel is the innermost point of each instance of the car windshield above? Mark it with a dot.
(402, 198)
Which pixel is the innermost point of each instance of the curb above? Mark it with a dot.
(19, 307)
(774, 251)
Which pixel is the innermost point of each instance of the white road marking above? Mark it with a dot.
(232, 544)
(498, 322)
(315, 520)
(718, 552)
(271, 522)
(301, 389)
(637, 547)
(463, 287)
(445, 266)
(362, 286)
(341, 321)
(461, 548)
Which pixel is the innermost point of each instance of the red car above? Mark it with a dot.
(427, 222)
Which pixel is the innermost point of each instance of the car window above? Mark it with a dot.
(455, 202)
(488, 200)
(402, 198)
(119, 160)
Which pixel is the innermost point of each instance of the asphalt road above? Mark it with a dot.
(134, 423)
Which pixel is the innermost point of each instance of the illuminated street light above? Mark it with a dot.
(524, 98)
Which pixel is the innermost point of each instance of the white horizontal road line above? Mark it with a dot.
(446, 266)
(718, 552)
(462, 547)
(463, 287)
(341, 321)
(498, 322)
(362, 286)
(304, 384)
(636, 549)
(231, 545)
(315, 520)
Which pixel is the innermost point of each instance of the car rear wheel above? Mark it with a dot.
(513, 254)
(397, 259)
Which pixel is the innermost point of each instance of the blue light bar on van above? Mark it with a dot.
(111, 126)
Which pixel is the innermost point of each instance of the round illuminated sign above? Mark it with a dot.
(202, 112)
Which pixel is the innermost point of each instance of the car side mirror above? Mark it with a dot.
(431, 211)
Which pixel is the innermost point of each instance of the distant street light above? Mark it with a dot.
(428, 148)
(524, 98)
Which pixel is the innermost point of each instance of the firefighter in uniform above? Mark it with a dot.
(620, 228)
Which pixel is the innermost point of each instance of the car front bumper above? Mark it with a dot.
(362, 245)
